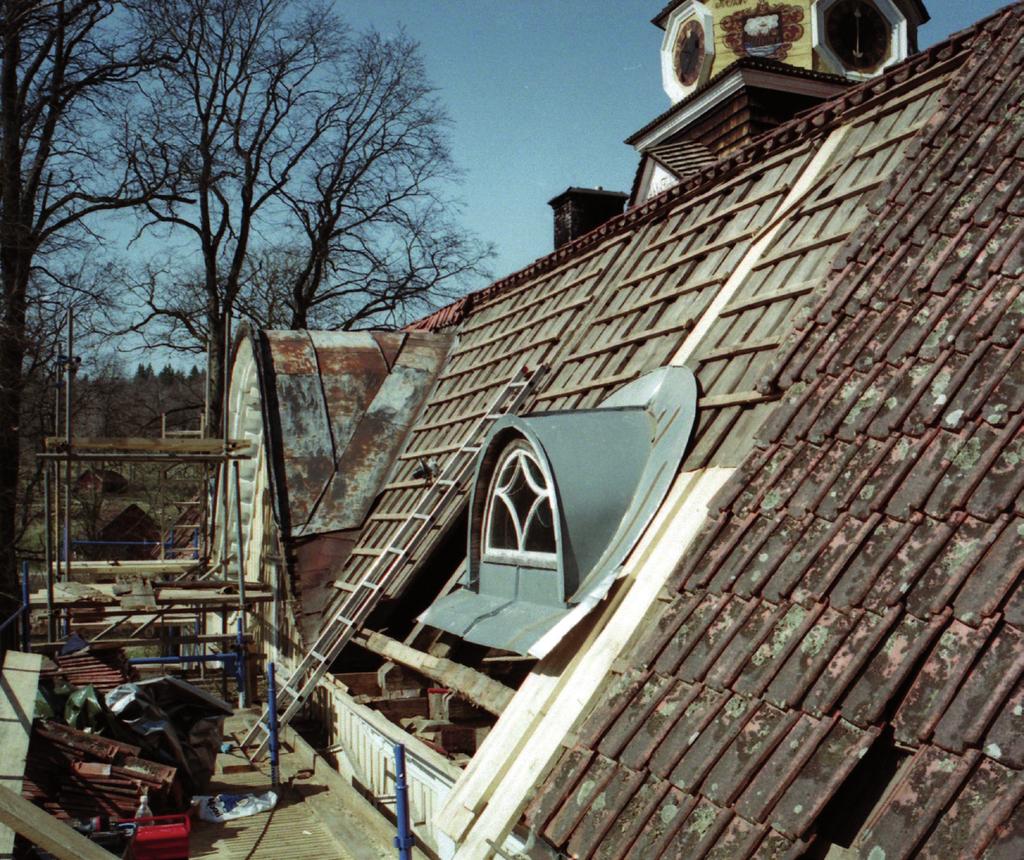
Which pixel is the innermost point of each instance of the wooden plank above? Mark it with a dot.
(109, 605)
(664, 296)
(743, 347)
(736, 398)
(49, 833)
(505, 355)
(485, 692)
(494, 385)
(721, 215)
(839, 196)
(639, 337)
(162, 565)
(696, 253)
(441, 424)
(544, 296)
(128, 642)
(17, 707)
(767, 298)
(891, 105)
(803, 248)
(576, 262)
(590, 385)
(146, 444)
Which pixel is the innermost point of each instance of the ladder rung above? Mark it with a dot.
(405, 539)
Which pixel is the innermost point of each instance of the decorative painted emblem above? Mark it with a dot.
(767, 31)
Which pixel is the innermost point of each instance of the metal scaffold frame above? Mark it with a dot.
(189, 588)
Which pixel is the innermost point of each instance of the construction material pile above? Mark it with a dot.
(77, 775)
(103, 668)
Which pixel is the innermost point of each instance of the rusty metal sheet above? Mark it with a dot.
(339, 405)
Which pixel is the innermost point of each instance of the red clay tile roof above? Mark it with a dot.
(842, 655)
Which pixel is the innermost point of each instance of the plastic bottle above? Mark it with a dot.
(144, 811)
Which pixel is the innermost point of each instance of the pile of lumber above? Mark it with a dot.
(104, 668)
(74, 774)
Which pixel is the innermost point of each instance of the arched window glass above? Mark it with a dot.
(520, 522)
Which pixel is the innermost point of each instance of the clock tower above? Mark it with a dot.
(736, 68)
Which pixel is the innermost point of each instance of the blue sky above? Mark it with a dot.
(542, 94)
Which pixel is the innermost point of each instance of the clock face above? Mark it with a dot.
(858, 34)
(689, 53)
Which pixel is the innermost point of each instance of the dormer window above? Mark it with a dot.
(558, 501)
(520, 520)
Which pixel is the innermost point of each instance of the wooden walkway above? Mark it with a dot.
(303, 825)
(17, 705)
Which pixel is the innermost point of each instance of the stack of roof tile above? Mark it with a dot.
(104, 668)
(73, 774)
(860, 595)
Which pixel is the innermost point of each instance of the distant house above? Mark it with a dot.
(132, 534)
(744, 578)
(101, 481)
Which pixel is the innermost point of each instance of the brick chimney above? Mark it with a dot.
(580, 210)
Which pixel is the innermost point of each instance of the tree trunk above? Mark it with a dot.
(216, 371)
(12, 352)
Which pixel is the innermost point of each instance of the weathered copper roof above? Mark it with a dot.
(339, 407)
(841, 655)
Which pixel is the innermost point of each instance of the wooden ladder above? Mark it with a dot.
(386, 567)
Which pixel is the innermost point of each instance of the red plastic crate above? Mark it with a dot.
(162, 837)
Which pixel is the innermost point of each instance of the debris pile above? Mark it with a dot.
(77, 775)
(103, 668)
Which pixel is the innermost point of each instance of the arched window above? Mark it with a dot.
(520, 519)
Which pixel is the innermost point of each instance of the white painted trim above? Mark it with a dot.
(656, 178)
(899, 40)
(693, 9)
(729, 85)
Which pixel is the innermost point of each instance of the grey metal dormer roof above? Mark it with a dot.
(611, 468)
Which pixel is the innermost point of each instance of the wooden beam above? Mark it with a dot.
(110, 604)
(128, 642)
(49, 833)
(485, 692)
(156, 564)
(109, 571)
(17, 707)
(129, 444)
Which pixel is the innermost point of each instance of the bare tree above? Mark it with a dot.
(65, 73)
(312, 161)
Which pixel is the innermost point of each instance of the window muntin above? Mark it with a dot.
(520, 523)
